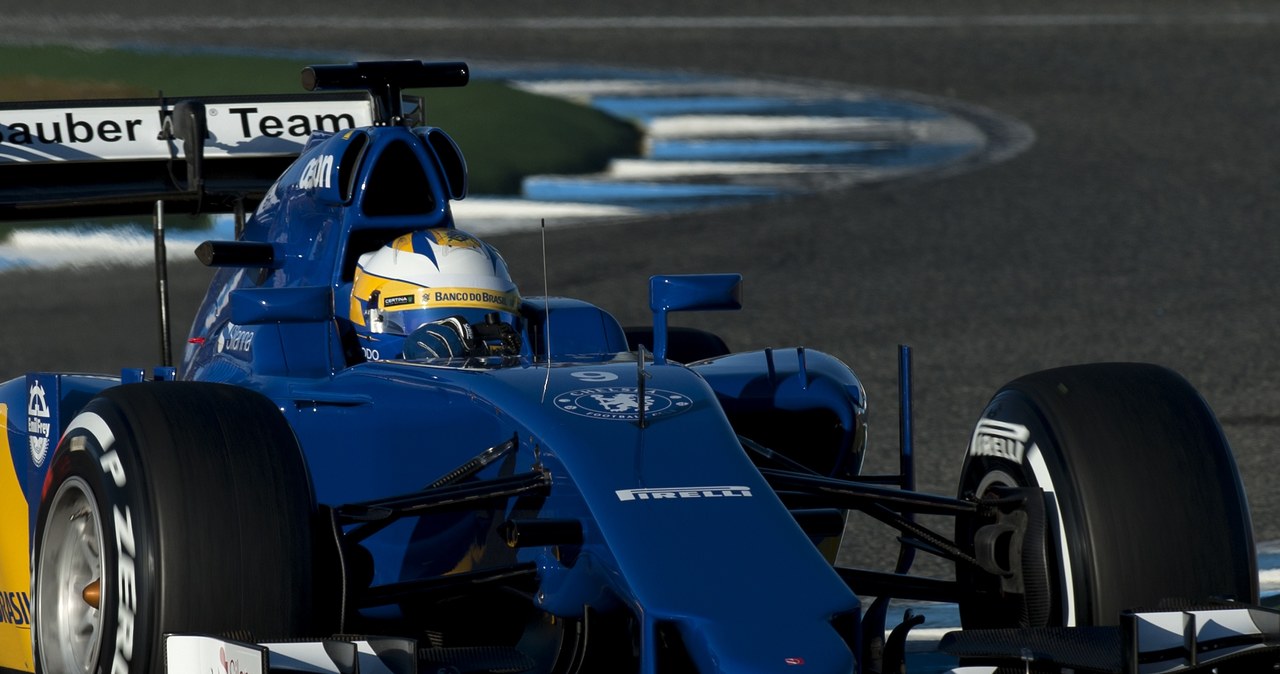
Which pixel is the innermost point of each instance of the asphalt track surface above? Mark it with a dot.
(1140, 226)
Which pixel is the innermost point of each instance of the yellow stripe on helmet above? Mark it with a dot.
(396, 295)
(403, 242)
(365, 284)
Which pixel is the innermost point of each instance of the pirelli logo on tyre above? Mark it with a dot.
(1000, 439)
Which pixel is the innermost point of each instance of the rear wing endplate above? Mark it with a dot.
(219, 154)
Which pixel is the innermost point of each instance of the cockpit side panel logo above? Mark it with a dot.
(39, 425)
(622, 403)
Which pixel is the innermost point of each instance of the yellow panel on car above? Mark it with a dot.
(15, 562)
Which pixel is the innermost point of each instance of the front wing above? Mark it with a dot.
(1157, 642)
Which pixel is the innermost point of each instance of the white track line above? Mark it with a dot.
(649, 169)
(772, 126)
(18, 23)
(508, 208)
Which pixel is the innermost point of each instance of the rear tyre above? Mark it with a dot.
(1144, 505)
(169, 507)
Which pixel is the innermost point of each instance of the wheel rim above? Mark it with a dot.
(68, 582)
(996, 478)
(1062, 576)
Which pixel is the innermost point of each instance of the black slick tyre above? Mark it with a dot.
(169, 507)
(1144, 505)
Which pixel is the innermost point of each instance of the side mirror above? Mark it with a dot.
(240, 254)
(689, 292)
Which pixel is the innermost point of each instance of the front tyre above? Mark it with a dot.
(169, 507)
(1144, 506)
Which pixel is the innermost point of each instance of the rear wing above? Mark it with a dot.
(220, 154)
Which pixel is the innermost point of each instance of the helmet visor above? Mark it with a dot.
(402, 314)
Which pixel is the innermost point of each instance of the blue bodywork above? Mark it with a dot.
(584, 498)
(679, 531)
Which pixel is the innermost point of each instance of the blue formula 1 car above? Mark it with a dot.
(377, 456)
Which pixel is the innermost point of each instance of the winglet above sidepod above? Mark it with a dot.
(689, 292)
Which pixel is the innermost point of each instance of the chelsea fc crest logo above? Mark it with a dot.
(622, 403)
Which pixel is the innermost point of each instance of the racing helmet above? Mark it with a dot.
(431, 277)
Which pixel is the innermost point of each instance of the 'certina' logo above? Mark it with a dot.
(622, 403)
(659, 493)
(1000, 439)
(316, 172)
(398, 300)
(39, 430)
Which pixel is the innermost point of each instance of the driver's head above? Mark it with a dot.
(428, 276)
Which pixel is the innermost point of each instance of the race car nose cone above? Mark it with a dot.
(92, 593)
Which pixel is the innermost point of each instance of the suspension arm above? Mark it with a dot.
(858, 496)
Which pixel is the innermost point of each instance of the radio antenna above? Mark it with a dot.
(546, 312)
